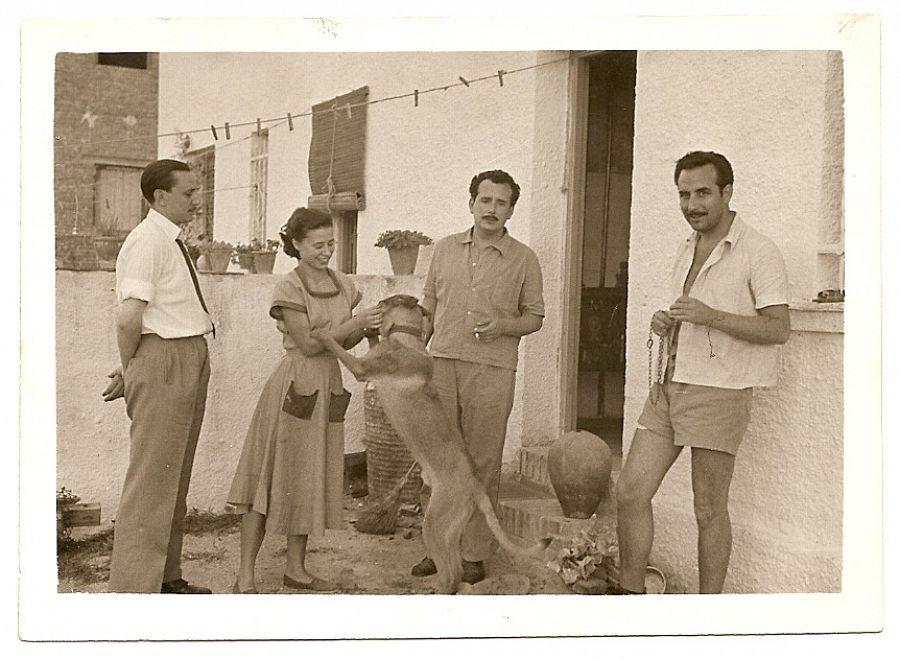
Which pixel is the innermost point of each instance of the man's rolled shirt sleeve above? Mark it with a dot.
(768, 276)
(531, 296)
(429, 292)
(137, 274)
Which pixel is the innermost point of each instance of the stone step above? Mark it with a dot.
(530, 512)
(532, 467)
(531, 519)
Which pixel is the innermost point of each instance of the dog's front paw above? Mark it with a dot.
(320, 336)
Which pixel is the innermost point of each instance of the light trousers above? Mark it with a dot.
(478, 398)
(165, 398)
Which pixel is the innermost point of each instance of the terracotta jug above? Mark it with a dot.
(579, 464)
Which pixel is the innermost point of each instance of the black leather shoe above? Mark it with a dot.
(424, 568)
(180, 586)
(473, 571)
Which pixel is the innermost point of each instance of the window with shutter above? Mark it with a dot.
(203, 163)
(259, 175)
(117, 199)
(127, 60)
(337, 152)
(338, 145)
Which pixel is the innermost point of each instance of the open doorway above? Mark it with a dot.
(604, 260)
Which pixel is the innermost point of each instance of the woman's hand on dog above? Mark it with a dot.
(370, 317)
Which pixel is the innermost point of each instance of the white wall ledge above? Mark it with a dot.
(817, 317)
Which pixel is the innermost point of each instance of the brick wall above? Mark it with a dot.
(91, 104)
(76, 253)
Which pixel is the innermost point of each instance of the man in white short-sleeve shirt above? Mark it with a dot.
(161, 323)
(729, 287)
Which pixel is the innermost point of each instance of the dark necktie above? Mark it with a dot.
(190, 266)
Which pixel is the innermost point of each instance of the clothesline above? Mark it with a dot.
(94, 186)
(289, 117)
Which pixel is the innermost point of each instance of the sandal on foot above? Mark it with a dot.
(237, 590)
(316, 584)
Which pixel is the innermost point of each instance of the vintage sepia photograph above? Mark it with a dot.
(499, 333)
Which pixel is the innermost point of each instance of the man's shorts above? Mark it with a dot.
(699, 416)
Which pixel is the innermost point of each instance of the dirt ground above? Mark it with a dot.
(359, 563)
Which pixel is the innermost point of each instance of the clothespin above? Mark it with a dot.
(349, 112)
(215, 135)
(416, 98)
(227, 131)
(464, 81)
(258, 126)
(500, 76)
(290, 122)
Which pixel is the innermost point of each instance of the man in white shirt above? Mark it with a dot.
(729, 287)
(161, 325)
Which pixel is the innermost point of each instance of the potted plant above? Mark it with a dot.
(218, 254)
(264, 253)
(403, 248)
(243, 257)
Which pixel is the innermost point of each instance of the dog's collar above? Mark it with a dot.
(408, 329)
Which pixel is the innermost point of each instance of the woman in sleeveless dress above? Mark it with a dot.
(289, 479)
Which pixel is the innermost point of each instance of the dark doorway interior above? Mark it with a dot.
(607, 219)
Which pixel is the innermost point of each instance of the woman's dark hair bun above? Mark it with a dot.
(301, 222)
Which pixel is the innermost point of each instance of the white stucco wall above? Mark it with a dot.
(92, 436)
(773, 115)
(540, 370)
(419, 160)
(777, 116)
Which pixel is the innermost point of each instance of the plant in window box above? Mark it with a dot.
(403, 248)
(264, 253)
(218, 254)
(243, 256)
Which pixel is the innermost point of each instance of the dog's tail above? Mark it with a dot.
(535, 551)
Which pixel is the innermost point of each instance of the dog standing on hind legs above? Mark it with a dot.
(401, 370)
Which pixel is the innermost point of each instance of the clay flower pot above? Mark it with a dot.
(579, 464)
(245, 261)
(403, 259)
(219, 259)
(264, 262)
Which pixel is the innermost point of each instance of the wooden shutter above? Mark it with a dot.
(203, 163)
(117, 198)
(259, 180)
(338, 143)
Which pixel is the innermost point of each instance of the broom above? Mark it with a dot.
(380, 516)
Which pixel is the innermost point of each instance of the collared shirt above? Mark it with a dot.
(463, 287)
(744, 273)
(152, 268)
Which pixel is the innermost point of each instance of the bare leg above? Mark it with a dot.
(649, 459)
(253, 530)
(295, 566)
(711, 473)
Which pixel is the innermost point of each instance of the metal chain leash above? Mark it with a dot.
(664, 347)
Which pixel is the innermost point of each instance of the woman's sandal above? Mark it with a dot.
(316, 584)
(237, 590)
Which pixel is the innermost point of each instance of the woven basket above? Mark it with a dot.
(387, 458)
